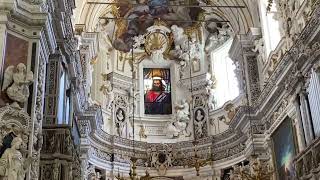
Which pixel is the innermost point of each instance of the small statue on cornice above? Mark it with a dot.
(142, 132)
(107, 90)
(16, 83)
(212, 103)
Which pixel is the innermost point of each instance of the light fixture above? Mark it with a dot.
(197, 162)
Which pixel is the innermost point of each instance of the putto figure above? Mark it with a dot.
(16, 83)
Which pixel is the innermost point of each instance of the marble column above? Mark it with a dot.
(306, 117)
(300, 132)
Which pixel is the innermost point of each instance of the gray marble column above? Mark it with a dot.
(300, 132)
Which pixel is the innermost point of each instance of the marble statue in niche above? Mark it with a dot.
(93, 61)
(120, 120)
(16, 83)
(259, 48)
(133, 98)
(13, 165)
(107, 90)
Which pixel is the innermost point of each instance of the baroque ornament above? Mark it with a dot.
(161, 159)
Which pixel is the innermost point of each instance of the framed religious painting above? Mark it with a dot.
(157, 91)
(284, 150)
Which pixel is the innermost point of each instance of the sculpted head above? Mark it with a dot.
(16, 143)
(21, 67)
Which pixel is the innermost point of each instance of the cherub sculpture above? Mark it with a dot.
(16, 83)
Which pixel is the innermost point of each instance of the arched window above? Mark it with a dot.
(223, 69)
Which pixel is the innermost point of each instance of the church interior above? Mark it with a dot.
(160, 89)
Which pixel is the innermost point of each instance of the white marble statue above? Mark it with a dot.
(178, 126)
(16, 83)
(211, 99)
(107, 90)
(171, 130)
(181, 50)
(90, 74)
(180, 39)
(194, 47)
(259, 48)
(133, 98)
(182, 111)
(13, 166)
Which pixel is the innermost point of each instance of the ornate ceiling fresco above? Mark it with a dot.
(90, 12)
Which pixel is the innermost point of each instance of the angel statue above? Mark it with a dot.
(13, 165)
(16, 82)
